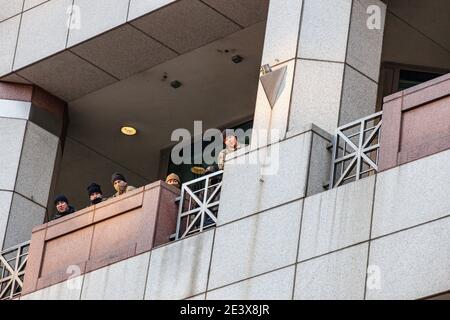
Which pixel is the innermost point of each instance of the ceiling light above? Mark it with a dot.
(198, 170)
(128, 131)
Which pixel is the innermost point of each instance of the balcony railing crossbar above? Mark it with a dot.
(198, 204)
(350, 156)
(12, 270)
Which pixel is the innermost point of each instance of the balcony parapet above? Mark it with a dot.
(100, 235)
(416, 123)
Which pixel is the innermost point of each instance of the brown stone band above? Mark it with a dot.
(31, 93)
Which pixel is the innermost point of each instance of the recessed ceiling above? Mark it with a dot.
(214, 90)
(417, 33)
(432, 18)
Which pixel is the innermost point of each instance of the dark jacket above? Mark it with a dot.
(103, 199)
(69, 210)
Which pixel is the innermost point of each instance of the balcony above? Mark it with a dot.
(413, 125)
(100, 235)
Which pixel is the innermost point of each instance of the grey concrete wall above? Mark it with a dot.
(332, 62)
(27, 165)
(330, 245)
(279, 173)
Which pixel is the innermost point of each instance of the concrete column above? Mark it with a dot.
(32, 123)
(325, 60)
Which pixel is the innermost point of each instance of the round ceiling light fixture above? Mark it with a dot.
(198, 170)
(128, 131)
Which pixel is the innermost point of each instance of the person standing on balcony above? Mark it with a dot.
(174, 180)
(231, 145)
(95, 193)
(62, 207)
(120, 184)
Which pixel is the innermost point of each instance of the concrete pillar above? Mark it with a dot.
(32, 123)
(325, 60)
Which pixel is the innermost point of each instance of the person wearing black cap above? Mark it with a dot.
(62, 207)
(120, 184)
(95, 193)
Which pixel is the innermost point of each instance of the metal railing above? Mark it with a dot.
(199, 204)
(12, 270)
(356, 150)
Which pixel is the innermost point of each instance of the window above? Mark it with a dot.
(410, 78)
(398, 77)
(185, 172)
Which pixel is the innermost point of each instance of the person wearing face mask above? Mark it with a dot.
(174, 180)
(120, 184)
(95, 193)
(62, 207)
